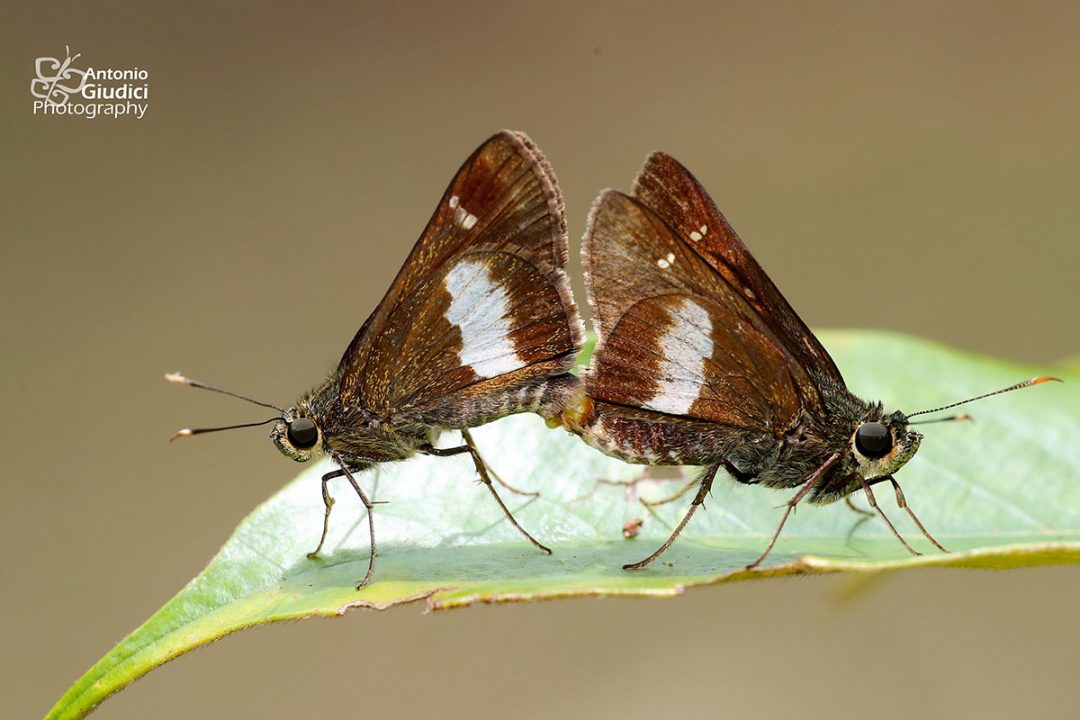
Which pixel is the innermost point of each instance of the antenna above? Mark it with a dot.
(951, 418)
(188, 432)
(179, 379)
(1018, 386)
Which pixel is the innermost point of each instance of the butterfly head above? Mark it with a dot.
(296, 435)
(882, 444)
(295, 431)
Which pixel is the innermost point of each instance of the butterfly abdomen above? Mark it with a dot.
(544, 395)
(620, 432)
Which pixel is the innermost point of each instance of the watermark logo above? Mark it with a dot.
(60, 88)
(57, 81)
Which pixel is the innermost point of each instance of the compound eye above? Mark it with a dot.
(302, 433)
(873, 440)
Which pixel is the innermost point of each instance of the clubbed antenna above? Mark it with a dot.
(188, 432)
(952, 418)
(1018, 386)
(179, 379)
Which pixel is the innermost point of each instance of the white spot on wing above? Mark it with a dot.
(663, 264)
(462, 217)
(478, 307)
(695, 236)
(704, 230)
(687, 347)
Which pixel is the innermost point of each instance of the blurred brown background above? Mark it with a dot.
(911, 167)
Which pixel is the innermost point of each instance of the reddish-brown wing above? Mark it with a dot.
(675, 338)
(669, 190)
(484, 292)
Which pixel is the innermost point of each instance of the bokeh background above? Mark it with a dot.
(911, 166)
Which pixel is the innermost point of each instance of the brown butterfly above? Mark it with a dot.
(701, 361)
(479, 323)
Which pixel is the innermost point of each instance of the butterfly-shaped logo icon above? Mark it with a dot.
(56, 80)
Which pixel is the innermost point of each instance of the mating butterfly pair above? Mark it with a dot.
(700, 359)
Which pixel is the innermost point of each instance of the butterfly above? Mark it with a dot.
(479, 323)
(701, 361)
(50, 72)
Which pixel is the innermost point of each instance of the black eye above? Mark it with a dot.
(302, 433)
(873, 440)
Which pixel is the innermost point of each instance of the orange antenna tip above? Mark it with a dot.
(186, 432)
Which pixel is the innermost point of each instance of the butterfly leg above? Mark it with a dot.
(873, 504)
(630, 486)
(495, 476)
(651, 474)
(329, 503)
(672, 497)
(856, 508)
(864, 516)
(744, 477)
(369, 506)
(809, 485)
(706, 485)
(902, 502)
(481, 469)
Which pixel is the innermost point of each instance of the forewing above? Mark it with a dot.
(675, 338)
(490, 314)
(484, 292)
(669, 190)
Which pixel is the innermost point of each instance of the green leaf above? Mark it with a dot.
(1000, 492)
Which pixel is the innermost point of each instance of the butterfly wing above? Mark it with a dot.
(676, 340)
(672, 192)
(483, 295)
(39, 88)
